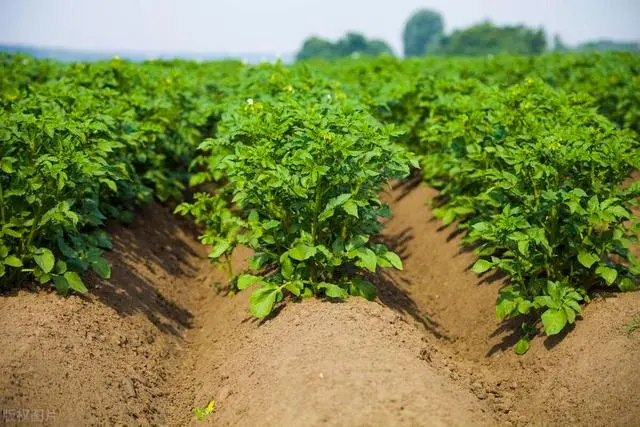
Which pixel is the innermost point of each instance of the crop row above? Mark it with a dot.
(81, 143)
(531, 161)
(532, 157)
(298, 169)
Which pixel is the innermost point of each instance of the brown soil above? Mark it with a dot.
(588, 376)
(105, 358)
(160, 338)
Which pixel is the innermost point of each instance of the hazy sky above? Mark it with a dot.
(279, 26)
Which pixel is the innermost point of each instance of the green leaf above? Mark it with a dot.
(356, 242)
(286, 267)
(109, 183)
(579, 192)
(103, 241)
(363, 288)
(219, 249)
(339, 200)
(246, 280)
(384, 211)
(587, 258)
(367, 257)
(262, 300)
(6, 164)
(93, 254)
(522, 346)
(507, 302)
(102, 267)
(619, 211)
(270, 224)
(351, 208)
(449, 217)
(295, 287)
(61, 284)
(481, 266)
(45, 259)
(326, 214)
(75, 282)
(573, 304)
(332, 204)
(302, 251)
(523, 247)
(571, 315)
(257, 261)
(394, 259)
(626, 285)
(607, 273)
(524, 306)
(333, 291)
(254, 217)
(574, 206)
(61, 267)
(546, 301)
(554, 321)
(13, 261)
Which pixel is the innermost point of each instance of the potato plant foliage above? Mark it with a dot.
(81, 143)
(533, 158)
(525, 162)
(305, 166)
(537, 178)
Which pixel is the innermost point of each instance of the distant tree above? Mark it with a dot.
(486, 39)
(421, 32)
(350, 44)
(378, 47)
(535, 39)
(315, 47)
(558, 44)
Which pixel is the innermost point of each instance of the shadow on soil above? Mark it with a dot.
(147, 258)
(398, 242)
(404, 187)
(510, 332)
(392, 288)
(396, 298)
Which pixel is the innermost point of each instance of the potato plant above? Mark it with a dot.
(81, 143)
(537, 178)
(305, 167)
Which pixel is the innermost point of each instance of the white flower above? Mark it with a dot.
(250, 101)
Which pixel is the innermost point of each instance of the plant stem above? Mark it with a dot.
(2, 214)
(229, 267)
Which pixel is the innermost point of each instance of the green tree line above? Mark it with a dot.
(424, 35)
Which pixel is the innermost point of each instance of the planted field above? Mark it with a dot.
(481, 214)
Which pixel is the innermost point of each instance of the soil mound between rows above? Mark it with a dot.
(324, 363)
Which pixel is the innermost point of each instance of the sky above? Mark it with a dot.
(280, 26)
